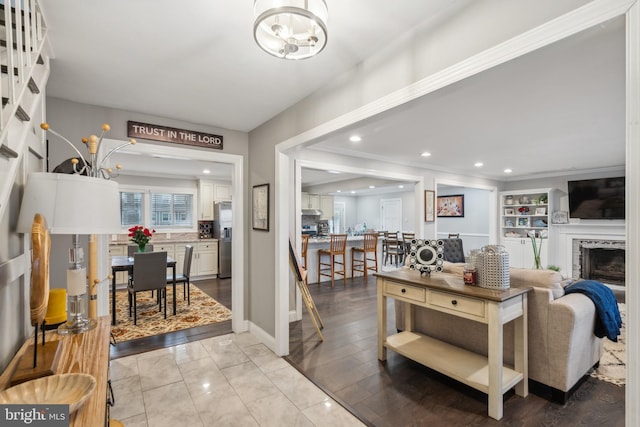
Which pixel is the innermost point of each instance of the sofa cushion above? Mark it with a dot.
(548, 279)
(456, 268)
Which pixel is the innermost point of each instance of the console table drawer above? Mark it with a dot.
(458, 303)
(405, 291)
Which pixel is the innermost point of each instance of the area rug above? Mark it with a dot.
(612, 363)
(203, 310)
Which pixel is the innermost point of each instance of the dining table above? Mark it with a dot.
(125, 263)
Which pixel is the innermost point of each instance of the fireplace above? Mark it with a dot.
(603, 261)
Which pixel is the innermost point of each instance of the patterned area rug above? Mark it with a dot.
(203, 310)
(612, 364)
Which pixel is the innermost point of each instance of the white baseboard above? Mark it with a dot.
(263, 336)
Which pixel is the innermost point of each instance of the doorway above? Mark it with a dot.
(391, 214)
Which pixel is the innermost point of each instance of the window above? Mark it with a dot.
(131, 208)
(157, 208)
(171, 210)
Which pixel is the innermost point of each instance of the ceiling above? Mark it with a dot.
(553, 111)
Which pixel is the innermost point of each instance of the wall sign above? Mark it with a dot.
(177, 136)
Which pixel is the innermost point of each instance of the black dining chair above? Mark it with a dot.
(185, 276)
(149, 274)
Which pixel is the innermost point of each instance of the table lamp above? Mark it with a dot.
(74, 204)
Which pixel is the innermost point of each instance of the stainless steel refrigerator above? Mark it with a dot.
(222, 219)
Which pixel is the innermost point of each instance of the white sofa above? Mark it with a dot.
(562, 346)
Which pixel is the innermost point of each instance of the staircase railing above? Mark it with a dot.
(24, 69)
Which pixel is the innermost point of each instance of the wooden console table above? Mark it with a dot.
(86, 353)
(448, 294)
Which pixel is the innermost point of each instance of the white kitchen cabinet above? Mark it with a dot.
(118, 250)
(314, 201)
(205, 198)
(206, 258)
(326, 206)
(222, 193)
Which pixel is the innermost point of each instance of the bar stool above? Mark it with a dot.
(337, 246)
(303, 254)
(370, 246)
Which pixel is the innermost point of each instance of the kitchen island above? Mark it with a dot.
(316, 243)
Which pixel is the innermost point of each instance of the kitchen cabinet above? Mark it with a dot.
(222, 193)
(205, 198)
(206, 255)
(169, 248)
(309, 201)
(326, 206)
(118, 250)
(205, 258)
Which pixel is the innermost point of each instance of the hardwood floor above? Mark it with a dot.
(218, 289)
(401, 392)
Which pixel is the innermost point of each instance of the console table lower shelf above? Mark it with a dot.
(464, 366)
(447, 293)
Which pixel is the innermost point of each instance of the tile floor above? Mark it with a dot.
(230, 380)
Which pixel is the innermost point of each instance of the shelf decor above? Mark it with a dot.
(260, 212)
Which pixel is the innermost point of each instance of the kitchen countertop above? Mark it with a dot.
(327, 239)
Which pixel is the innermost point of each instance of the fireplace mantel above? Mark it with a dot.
(589, 230)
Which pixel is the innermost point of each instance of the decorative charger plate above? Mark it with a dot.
(71, 389)
(426, 255)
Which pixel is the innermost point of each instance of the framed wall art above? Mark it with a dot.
(260, 207)
(451, 206)
(429, 206)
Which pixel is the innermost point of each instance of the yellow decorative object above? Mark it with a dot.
(57, 309)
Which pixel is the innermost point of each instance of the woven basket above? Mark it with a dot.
(492, 264)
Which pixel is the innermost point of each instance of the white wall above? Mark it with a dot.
(369, 209)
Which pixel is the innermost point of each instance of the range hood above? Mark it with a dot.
(312, 212)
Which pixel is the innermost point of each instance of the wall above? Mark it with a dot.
(369, 209)
(474, 226)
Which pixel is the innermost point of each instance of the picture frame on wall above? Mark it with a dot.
(451, 206)
(260, 207)
(429, 205)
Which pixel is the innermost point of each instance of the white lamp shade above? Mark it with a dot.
(71, 204)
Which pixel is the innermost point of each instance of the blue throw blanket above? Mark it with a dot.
(608, 320)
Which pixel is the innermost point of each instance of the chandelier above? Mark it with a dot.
(290, 29)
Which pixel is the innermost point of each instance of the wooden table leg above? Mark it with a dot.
(382, 321)
(496, 335)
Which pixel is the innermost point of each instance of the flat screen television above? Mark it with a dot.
(601, 198)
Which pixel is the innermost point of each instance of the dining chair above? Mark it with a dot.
(185, 276)
(132, 249)
(382, 234)
(337, 247)
(303, 254)
(369, 246)
(454, 235)
(395, 249)
(149, 273)
(406, 239)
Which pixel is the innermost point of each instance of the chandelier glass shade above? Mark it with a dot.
(290, 29)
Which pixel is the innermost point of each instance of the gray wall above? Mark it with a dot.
(474, 226)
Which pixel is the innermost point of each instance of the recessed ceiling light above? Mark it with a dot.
(355, 138)
(425, 154)
(508, 170)
(206, 171)
(353, 192)
(332, 171)
(400, 186)
(478, 164)
(339, 191)
(372, 186)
